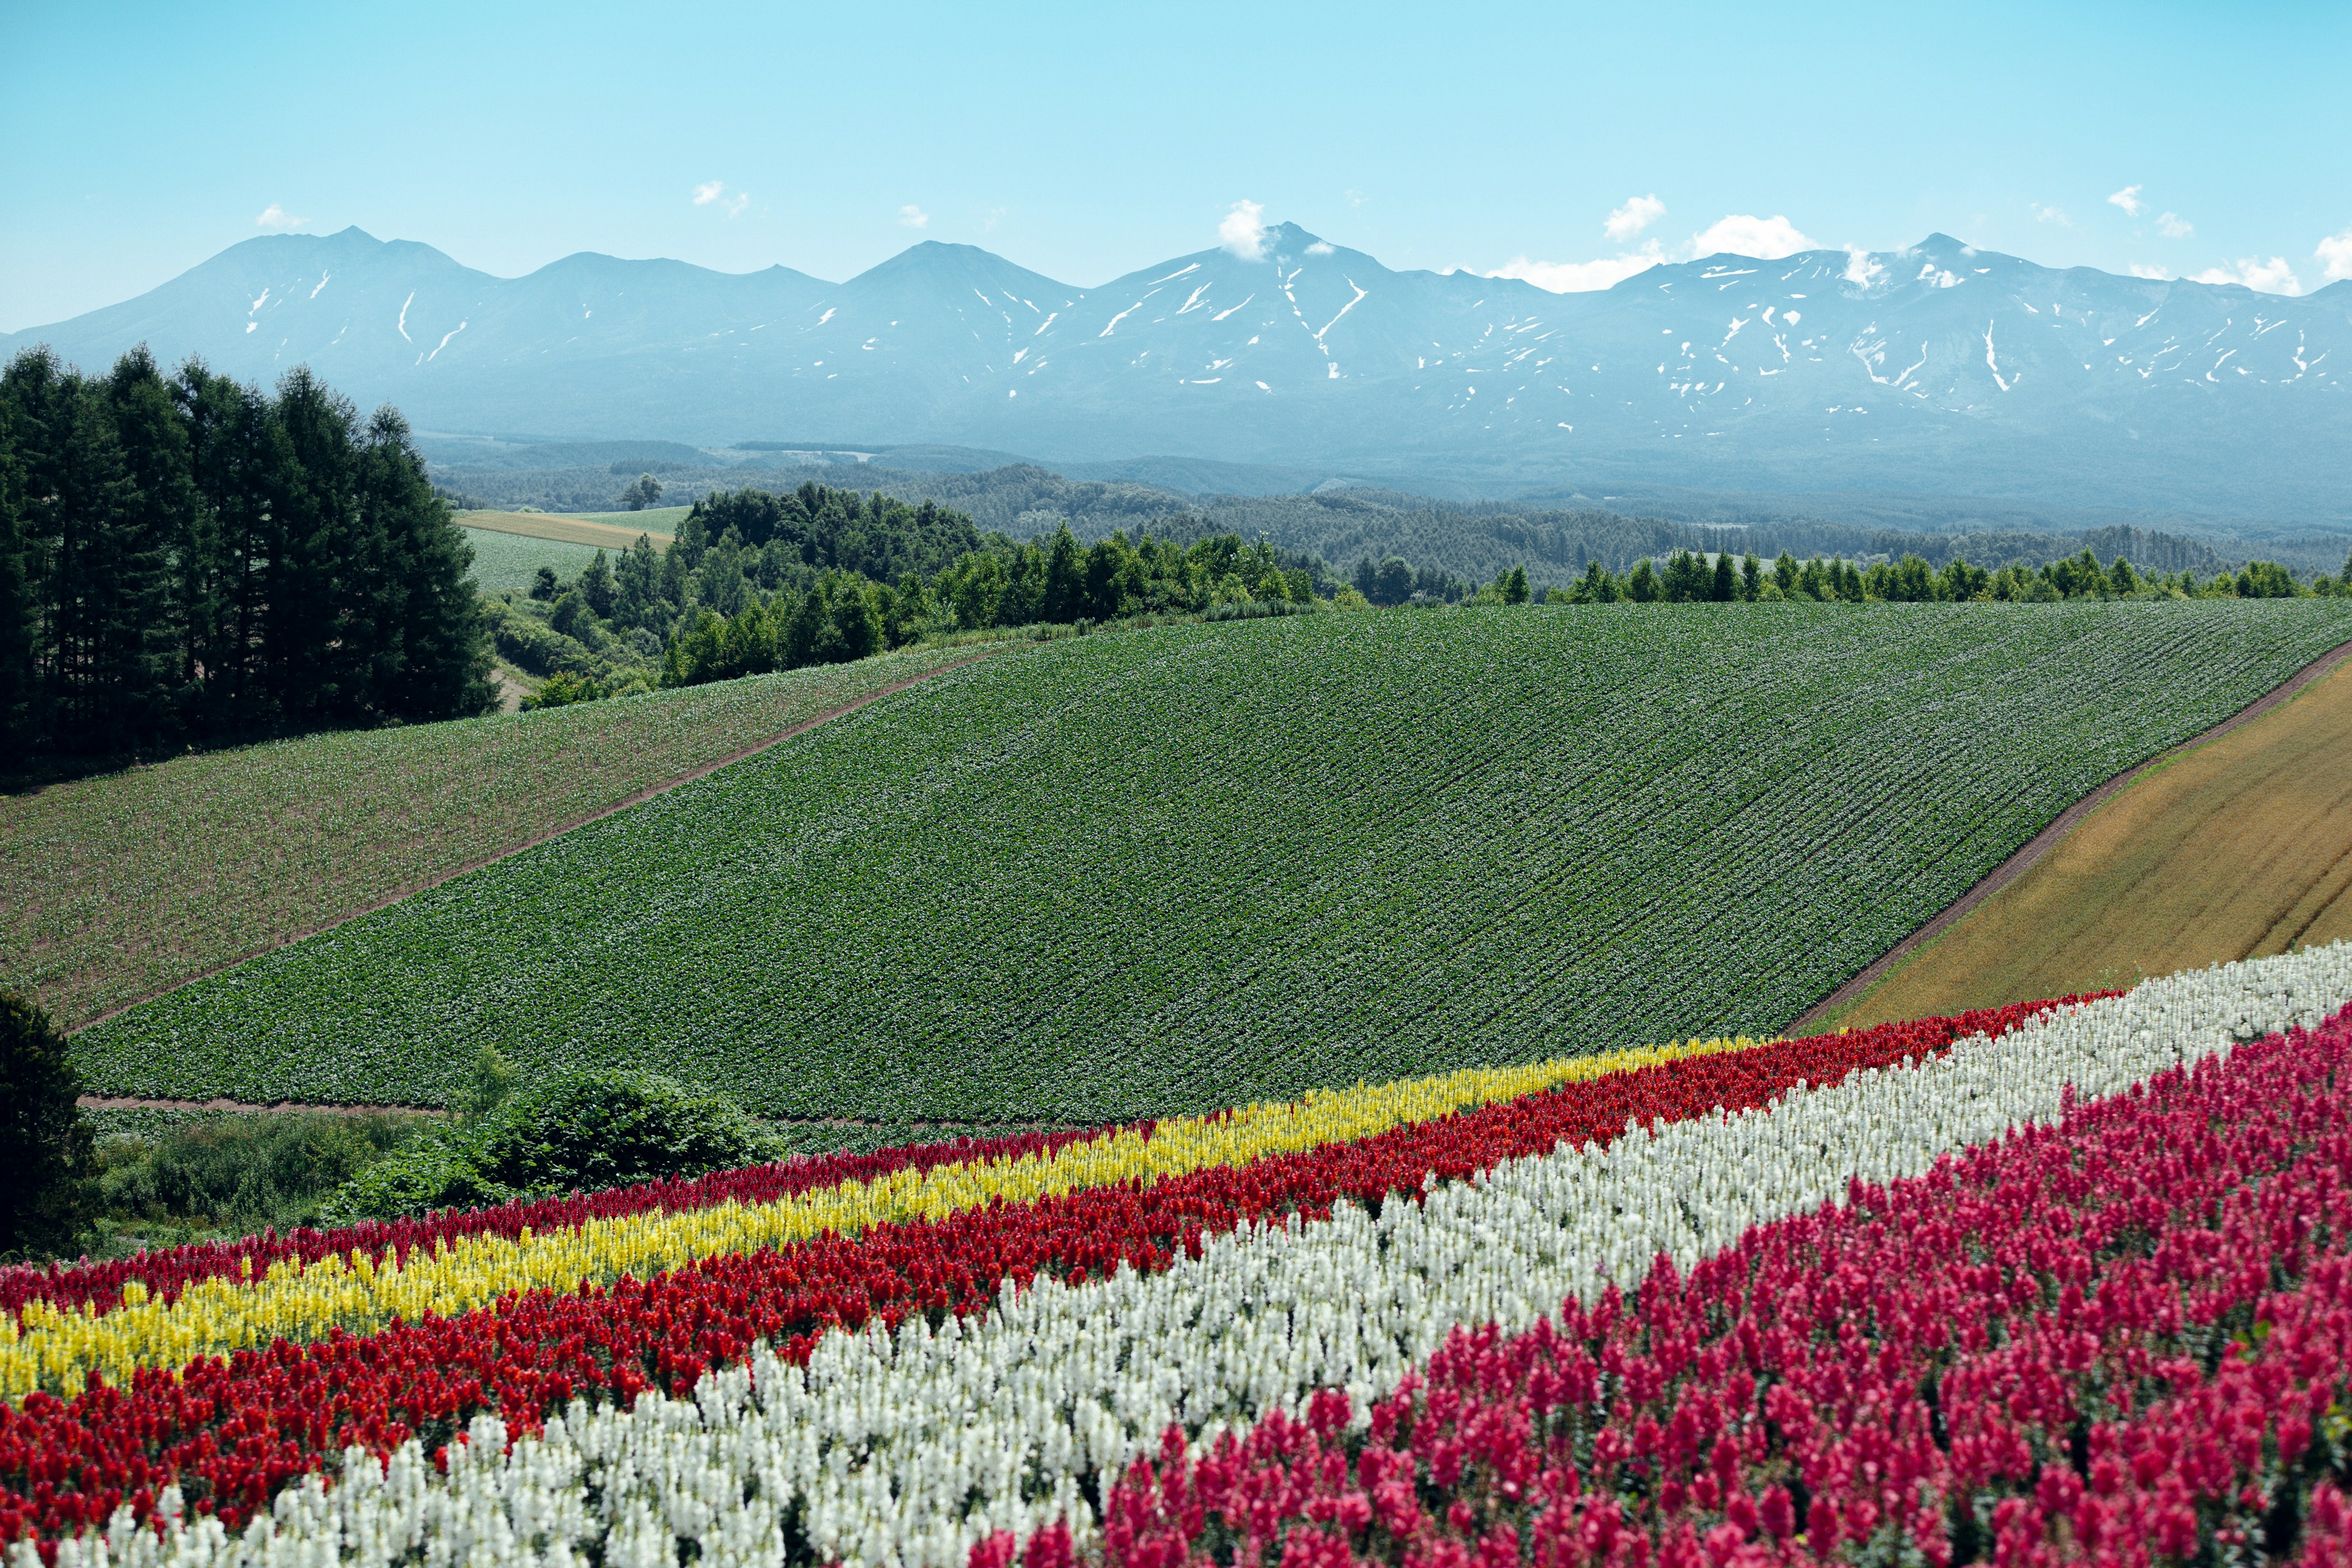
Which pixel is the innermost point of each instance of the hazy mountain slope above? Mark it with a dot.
(1937, 369)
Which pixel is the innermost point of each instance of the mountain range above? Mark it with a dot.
(1939, 368)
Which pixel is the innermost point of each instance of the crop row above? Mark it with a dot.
(165, 1308)
(2126, 1339)
(1193, 867)
(229, 1431)
(114, 886)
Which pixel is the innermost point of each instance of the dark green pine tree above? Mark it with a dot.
(1751, 577)
(146, 668)
(1726, 586)
(19, 665)
(433, 658)
(1065, 578)
(222, 587)
(46, 1145)
(316, 659)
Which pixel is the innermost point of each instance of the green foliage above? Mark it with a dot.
(48, 1197)
(196, 562)
(562, 690)
(1198, 865)
(489, 1085)
(238, 1173)
(578, 1133)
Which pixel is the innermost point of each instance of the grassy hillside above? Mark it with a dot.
(114, 886)
(618, 533)
(1194, 866)
(2240, 848)
(507, 562)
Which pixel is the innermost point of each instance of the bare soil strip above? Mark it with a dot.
(2041, 844)
(411, 889)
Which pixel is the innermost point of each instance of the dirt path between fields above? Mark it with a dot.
(411, 889)
(2042, 843)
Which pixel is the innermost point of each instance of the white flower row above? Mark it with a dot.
(901, 1451)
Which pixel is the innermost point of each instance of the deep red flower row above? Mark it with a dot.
(232, 1432)
(165, 1273)
(2122, 1339)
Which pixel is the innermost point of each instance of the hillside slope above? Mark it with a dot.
(2241, 848)
(114, 886)
(1199, 865)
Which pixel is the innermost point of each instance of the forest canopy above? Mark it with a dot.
(185, 560)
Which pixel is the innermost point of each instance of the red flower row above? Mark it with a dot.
(231, 1432)
(166, 1273)
(2116, 1340)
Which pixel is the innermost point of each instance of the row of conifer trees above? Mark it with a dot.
(185, 560)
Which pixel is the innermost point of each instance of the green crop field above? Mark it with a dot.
(507, 562)
(1198, 865)
(114, 886)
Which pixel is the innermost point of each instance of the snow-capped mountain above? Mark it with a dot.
(1937, 368)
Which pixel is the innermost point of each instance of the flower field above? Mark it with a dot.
(2070, 1281)
(1152, 873)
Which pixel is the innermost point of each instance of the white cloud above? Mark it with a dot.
(1355, 199)
(709, 191)
(2128, 199)
(1859, 267)
(912, 216)
(2172, 226)
(1768, 238)
(1320, 248)
(278, 220)
(2272, 276)
(2050, 214)
(2154, 274)
(1582, 276)
(737, 203)
(1638, 214)
(2335, 255)
(1243, 230)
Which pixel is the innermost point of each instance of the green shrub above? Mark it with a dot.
(581, 1133)
(48, 1152)
(240, 1173)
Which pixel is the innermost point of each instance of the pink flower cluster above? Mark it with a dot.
(2126, 1339)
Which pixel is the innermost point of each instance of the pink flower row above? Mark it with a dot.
(2125, 1339)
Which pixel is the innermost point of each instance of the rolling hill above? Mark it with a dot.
(1195, 866)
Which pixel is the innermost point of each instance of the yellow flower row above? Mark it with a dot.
(46, 1346)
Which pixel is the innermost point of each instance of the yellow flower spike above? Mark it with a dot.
(44, 1346)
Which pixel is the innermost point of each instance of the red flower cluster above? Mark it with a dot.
(2121, 1338)
(166, 1273)
(230, 1432)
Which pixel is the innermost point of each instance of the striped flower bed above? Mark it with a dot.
(166, 1308)
(982, 1382)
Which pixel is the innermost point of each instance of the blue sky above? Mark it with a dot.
(1086, 141)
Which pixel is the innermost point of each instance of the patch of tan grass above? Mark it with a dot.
(2240, 848)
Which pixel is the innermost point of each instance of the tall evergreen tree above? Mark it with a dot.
(1726, 586)
(19, 670)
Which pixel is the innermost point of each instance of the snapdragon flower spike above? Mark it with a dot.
(164, 1273)
(230, 1433)
(2123, 1339)
(906, 1449)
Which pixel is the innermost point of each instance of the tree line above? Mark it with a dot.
(845, 614)
(185, 560)
(1689, 576)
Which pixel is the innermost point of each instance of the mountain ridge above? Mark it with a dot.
(1938, 367)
